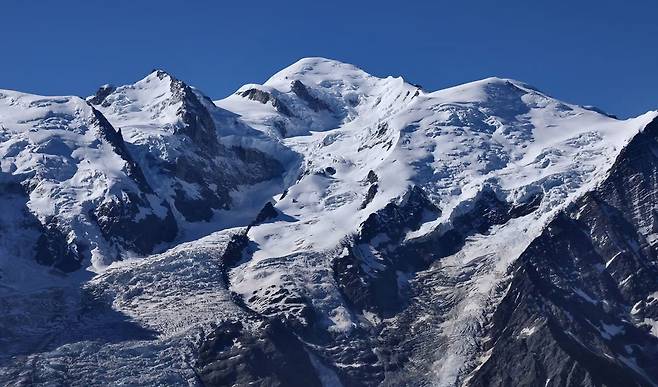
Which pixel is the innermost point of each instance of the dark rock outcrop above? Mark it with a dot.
(120, 222)
(99, 97)
(372, 191)
(374, 273)
(265, 97)
(578, 294)
(266, 213)
(54, 249)
(269, 355)
(313, 102)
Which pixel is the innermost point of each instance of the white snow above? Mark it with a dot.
(148, 113)
(174, 291)
(528, 331)
(612, 259)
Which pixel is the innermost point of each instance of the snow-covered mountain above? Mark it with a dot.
(195, 154)
(71, 187)
(328, 227)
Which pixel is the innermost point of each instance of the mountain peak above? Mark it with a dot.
(320, 70)
(315, 70)
(156, 97)
(497, 82)
(160, 74)
(509, 82)
(156, 78)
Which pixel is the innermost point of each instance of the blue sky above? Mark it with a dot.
(601, 53)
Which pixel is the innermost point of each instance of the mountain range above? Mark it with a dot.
(329, 228)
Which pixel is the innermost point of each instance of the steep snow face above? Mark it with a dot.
(167, 319)
(174, 291)
(195, 155)
(160, 105)
(68, 181)
(57, 139)
(139, 315)
(507, 136)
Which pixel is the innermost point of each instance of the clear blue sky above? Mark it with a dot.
(602, 53)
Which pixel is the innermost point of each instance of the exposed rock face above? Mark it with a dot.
(379, 260)
(372, 191)
(101, 94)
(132, 198)
(54, 249)
(119, 218)
(197, 123)
(581, 292)
(109, 134)
(120, 221)
(265, 97)
(267, 213)
(271, 356)
(302, 92)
